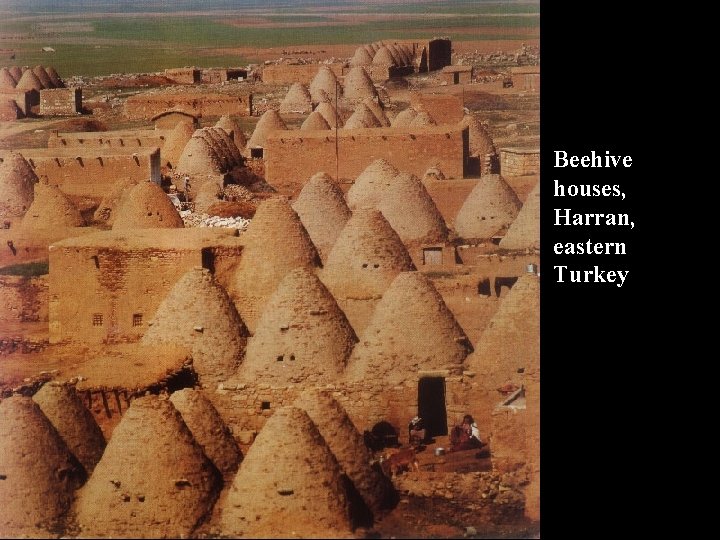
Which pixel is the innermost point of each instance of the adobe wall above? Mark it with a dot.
(60, 101)
(91, 172)
(439, 53)
(464, 77)
(526, 78)
(145, 107)
(115, 276)
(32, 245)
(9, 109)
(519, 162)
(219, 75)
(241, 404)
(139, 138)
(169, 120)
(183, 75)
(291, 157)
(23, 299)
(302, 73)
(444, 109)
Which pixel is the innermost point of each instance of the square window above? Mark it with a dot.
(265, 405)
(97, 319)
(137, 319)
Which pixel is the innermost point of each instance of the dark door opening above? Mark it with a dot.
(456, 78)
(431, 405)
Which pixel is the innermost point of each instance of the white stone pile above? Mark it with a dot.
(191, 219)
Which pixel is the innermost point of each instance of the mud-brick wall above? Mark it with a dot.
(92, 175)
(443, 108)
(292, 157)
(142, 107)
(115, 284)
(23, 299)
(302, 73)
(183, 75)
(24, 100)
(518, 162)
(60, 101)
(141, 138)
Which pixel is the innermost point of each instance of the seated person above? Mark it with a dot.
(466, 436)
(417, 431)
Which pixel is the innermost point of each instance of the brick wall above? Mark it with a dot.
(519, 162)
(292, 157)
(302, 73)
(145, 107)
(183, 75)
(60, 101)
(140, 138)
(24, 100)
(91, 172)
(23, 299)
(98, 283)
(444, 109)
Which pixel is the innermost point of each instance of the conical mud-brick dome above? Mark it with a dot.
(396, 54)
(17, 181)
(348, 446)
(6, 80)
(39, 474)
(50, 209)
(29, 81)
(370, 184)
(73, 421)
(383, 58)
(481, 143)
(175, 144)
(269, 122)
(153, 479)
(208, 429)
(329, 114)
(358, 85)
(411, 330)
(233, 129)
(326, 81)
(9, 109)
(262, 265)
(377, 111)
(404, 118)
(421, 119)
(511, 340)
(302, 335)
(410, 210)
(366, 257)
(198, 314)
(42, 76)
(107, 211)
(315, 121)
(361, 57)
(54, 77)
(147, 206)
(199, 157)
(322, 209)
(491, 207)
(289, 484)
(222, 152)
(524, 232)
(208, 194)
(297, 100)
(362, 118)
(16, 73)
(225, 142)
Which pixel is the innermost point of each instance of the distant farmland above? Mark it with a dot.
(99, 44)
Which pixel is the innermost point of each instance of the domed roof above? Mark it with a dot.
(362, 118)
(73, 421)
(322, 210)
(325, 81)
(17, 181)
(490, 207)
(315, 121)
(369, 185)
(302, 335)
(50, 209)
(297, 100)
(411, 330)
(153, 479)
(361, 57)
(199, 314)
(279, 488)
(524, 232)
(358, 85)
(147, 206)
(269, 122)
(366, 257)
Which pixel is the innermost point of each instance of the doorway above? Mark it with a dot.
(431, 405)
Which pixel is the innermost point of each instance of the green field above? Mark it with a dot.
(89, 45)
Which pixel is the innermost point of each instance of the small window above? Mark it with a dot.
(292, 357)
(137, 319)
(265, 405)
(97, 319)
(280, 358)
(256, 153)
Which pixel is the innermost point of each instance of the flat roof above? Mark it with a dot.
(451, 69)
(347, 133)
(167, 239)
(72, 153)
